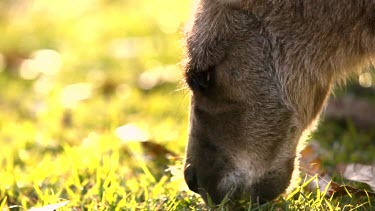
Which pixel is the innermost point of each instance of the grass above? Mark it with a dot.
(79, 98)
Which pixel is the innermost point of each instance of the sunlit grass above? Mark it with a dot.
(84, 85)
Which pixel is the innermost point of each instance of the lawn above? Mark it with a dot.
(94, 113)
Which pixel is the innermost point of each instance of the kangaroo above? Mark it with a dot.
(260, 72)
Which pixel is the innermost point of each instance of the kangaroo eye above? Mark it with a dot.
(200, 81)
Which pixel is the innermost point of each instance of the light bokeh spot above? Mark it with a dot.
(365, 80)
(131, 132)
(42, 62)
(74, 93)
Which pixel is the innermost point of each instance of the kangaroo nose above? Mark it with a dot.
(191, 178)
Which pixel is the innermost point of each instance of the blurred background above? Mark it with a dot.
(85, 81)
(93, 109)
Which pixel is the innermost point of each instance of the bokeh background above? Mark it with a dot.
(93, 108)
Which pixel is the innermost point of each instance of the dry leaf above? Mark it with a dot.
(160, 156)
(310, 164)
(359, 173)
(157, 151)
(325, 183)
(342, 190)
(50, 207)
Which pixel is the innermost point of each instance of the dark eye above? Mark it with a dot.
(200, 81)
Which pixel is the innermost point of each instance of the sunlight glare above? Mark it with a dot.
(155, 76)
(28, 70)
(126, 47)
(74, 93)
(365, 80)
(42, 62)
(131, 132)
(2, 62)
(43, 85)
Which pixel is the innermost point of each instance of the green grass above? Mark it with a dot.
(61, 134)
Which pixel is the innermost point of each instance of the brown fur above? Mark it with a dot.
(260, 72)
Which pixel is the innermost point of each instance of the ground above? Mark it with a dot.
(93, 111)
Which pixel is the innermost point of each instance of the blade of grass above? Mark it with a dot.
(2, 205)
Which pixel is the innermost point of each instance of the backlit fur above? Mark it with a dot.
(260, 72)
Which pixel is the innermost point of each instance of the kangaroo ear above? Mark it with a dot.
(200, 80)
